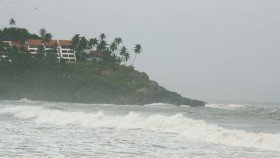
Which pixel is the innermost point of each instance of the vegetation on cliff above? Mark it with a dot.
(106, 80)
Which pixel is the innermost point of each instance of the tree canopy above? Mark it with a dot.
(97, 50)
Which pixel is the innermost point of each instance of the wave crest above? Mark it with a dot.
(189, 128)
(226, 106)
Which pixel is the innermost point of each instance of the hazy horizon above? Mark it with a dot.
(216, 51)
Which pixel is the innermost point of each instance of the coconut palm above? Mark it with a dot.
(102, 36)
(123, 51)
(75, 41)
(42, 33)
(102, 46)
(137, 50)
(113, 46)
(92, 42)
(118, 41)
(40, 56)
(83, 43)
(51, 56)
(81, 46)
(126, 57)
(47, 37)
(12, 22)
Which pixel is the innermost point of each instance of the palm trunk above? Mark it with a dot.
(117, 51)
(134, 59)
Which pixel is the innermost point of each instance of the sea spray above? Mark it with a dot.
(189, 128)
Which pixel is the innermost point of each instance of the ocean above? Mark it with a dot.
(57, 129)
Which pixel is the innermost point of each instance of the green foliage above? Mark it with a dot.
(33, 36)
(92, 43)
(40, 76)
(137, 50)
(14, 34)
(12, 22)
(45, 36)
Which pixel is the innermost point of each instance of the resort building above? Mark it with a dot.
(65, 51)
(32, 45)
(3, 52)
(62, 48)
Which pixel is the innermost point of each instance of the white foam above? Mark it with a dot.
(24, 100)
(226, 106)
(189, 128)
(160, 105)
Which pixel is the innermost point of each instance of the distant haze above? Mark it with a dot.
(214, 50)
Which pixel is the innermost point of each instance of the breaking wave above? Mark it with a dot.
(160, 105)
(24, 100)
(189, 128)
(226, 106)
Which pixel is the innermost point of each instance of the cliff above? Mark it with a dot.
(86, 83)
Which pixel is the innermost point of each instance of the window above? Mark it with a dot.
(64, 55)
(64, 51)
(71, 55)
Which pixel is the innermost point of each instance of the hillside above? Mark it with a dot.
(86, 83)
(76, 70)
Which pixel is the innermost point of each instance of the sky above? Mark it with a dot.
(212, 50)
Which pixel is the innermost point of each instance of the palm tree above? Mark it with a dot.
(42, 33)
(118, 41)
(83, 43)
(47, 37)
(137, 50)
(113, 46)
(126, 56)
(102, 46)
(95, 42)
(102, 36)
(51, 57)
(81, 46)
(40, 56)
(12, 22)
(92, 42)
(123, 51)
(75, 41)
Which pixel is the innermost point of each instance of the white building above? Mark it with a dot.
(64, 50)
(3, 53)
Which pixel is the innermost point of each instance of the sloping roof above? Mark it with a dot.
(34, 42)
(65, 42)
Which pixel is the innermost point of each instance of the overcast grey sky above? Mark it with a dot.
(215, 50)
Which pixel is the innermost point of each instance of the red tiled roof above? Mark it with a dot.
(65, 42)
(34, 42)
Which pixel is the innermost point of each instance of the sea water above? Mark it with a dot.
(56, 129)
